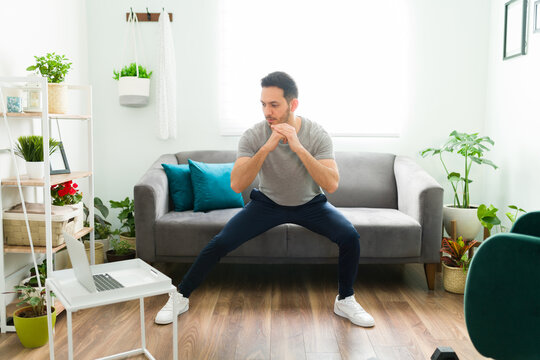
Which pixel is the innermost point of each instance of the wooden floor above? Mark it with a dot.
(276, 312)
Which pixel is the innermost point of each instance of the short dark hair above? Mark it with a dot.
(284, 82)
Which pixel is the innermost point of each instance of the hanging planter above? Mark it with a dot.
(133, 88)
(133, 79)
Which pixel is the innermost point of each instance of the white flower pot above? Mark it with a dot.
(35, 170)
(133, 91)
(79, 217)
(467, 223)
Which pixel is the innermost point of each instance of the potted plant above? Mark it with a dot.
(133, 85)
(32, 279)
(488, 216)
(127, 219)
(54, 68)
(102, 230)
(31, 321)
(30, 148)
(472, 148)
(455, 263)
(121, 250)
(67, 194)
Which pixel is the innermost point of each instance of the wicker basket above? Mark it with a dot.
(15, 227)
(58, 98)
(454, 279)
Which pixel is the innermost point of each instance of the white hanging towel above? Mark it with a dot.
(166, 80)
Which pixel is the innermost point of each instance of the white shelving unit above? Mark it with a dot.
(45, 184)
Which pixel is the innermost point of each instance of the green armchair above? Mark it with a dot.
(502, 293)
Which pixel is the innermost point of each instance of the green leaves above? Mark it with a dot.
(513, 217)
(126, 216)
(33, 296)
(131, 70)
(120, 247)
(488, 216)
(53, 67)
(472, 148)
(30, 148)
(456, 251)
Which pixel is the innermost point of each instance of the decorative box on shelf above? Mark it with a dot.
(63, 218)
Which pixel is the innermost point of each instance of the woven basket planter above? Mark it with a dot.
(454, 279)
(15, 227)
(58, 98)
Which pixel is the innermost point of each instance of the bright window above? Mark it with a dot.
(349, 59)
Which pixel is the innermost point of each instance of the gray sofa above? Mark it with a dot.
(395, 206)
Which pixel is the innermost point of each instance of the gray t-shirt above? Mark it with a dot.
(283, 177)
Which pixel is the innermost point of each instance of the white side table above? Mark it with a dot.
(75, 297)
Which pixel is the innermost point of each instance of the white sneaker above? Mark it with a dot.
(165, 315)
(350, 309)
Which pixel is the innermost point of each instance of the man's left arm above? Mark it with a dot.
(324, 171)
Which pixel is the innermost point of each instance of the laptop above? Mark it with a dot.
(81, 267)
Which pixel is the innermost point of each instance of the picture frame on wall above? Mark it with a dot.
(515, 29)
(58, 161)
(536, 10)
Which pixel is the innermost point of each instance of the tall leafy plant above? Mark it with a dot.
(102, 228)
(30, 148)
(472, 148)
(126, 215)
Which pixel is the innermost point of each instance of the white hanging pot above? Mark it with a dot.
(467, 223)
(133, 91)
(35, 169)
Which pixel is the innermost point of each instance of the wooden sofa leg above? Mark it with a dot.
(430, 270)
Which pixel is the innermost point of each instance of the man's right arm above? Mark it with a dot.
(246, 168)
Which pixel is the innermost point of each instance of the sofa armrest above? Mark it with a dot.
(421, 197)
(152, 201)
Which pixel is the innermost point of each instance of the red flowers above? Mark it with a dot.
(65, 193)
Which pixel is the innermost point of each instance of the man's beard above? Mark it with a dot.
(284, 119)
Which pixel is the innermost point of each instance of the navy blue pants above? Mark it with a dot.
(262, 214)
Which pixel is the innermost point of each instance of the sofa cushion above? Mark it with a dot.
(382, 231)
(187, 233)
(215, 156)
(365, 180)
(180, 188)
(212, 186)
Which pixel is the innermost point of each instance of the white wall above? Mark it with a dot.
(512, 119)
(31, 28)
(449, 49)
(448, 57)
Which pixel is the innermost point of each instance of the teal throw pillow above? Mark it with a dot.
(212, 186)
(179, 186)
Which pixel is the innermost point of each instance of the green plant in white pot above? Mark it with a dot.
(30, 148)
(133, 85)
(471, 148)
(55, 68)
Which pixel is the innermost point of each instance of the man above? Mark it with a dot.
(294, 159)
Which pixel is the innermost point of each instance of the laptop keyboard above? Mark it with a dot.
(105, 282)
